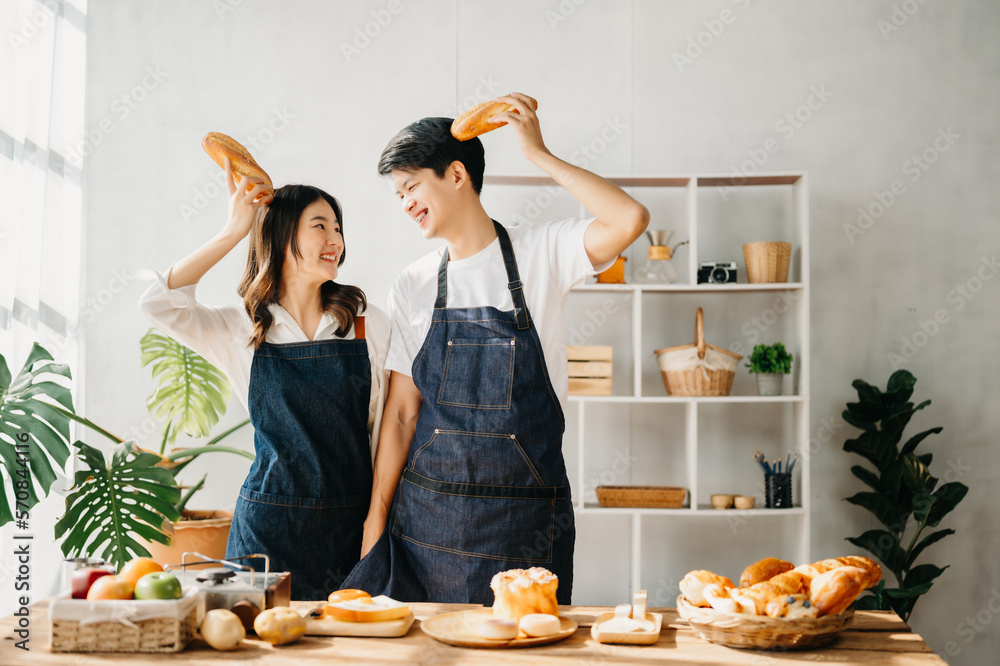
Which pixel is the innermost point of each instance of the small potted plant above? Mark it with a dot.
(770, 363)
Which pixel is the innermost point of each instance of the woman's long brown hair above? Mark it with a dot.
(273, 230)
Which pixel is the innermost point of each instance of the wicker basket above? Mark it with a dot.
(767, 261)
(760, 631)
(697, 369)
(79, 625)
(649, 497)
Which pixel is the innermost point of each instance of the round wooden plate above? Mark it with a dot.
(459, 629)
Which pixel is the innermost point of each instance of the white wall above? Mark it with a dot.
(152, 195)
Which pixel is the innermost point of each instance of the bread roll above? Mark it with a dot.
(793, 607)
(873, 572)
(693, 585)
(763, 570)
(718, 598)
(220, 146)
(832, 592)
(476, 121)
(788, 583)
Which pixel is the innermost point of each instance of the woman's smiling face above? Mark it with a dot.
(319, 242)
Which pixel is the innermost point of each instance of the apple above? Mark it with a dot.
(109, 587)
(84, 577)
(158, 585)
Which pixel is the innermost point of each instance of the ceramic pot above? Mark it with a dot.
(769, 383)
(204, 532)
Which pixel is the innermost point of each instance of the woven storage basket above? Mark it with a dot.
(79, 625)
(697, 369)
(651, 497)
(767, 261)
(760, 631)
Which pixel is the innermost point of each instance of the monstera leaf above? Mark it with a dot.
(112, 502)
(40, 428)
(191, 393)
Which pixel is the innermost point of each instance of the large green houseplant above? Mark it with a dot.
(904, 497)
(119, 502)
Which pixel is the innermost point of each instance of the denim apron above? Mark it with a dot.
(305, 499)
(484, 488)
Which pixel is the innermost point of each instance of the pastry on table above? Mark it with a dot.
(520, 592)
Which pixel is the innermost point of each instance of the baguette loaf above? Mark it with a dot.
(476, 121)
(220, 146)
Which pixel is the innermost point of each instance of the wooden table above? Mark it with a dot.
(875, 637)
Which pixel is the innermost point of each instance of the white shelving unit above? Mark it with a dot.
(641, 391)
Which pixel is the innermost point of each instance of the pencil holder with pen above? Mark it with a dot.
(777, 481)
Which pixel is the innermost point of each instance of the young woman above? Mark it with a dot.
(305, 356)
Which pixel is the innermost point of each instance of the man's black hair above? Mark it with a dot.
(428, 144)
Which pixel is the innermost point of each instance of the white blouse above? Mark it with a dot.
(222, 335)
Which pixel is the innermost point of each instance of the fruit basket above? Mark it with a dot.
(761, 632)
(119, 625)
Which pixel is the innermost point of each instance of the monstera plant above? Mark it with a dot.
(119, 500)
(905, 497)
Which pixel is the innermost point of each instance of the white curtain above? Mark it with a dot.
(42, 77)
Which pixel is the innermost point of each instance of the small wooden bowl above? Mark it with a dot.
(744, 501)
(722, 501)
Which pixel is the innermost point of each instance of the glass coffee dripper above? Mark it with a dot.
(658, 268)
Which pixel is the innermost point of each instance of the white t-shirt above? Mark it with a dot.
(222, 335)
(551, 258)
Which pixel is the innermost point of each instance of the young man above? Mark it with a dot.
(470, 453)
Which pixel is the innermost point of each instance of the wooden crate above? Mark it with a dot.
(589, 370)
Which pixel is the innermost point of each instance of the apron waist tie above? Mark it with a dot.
(479, 490)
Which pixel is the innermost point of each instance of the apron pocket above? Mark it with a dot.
(477, 458)
(478, 373)
(497, 528)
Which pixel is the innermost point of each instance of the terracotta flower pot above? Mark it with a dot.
(204, 532)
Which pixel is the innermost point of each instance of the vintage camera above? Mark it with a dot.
(716, 272)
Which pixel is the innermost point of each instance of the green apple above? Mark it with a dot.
(158, 585)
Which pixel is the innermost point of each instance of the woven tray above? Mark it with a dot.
(762, 632)
(132, 630)
(649, 497)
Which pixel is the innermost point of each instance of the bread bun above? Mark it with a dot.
(693, 585)
(718, 598)
(539, 624)
(476, 121)
(763, 570)
(873, 572)
(346, 595)
(220, 146)
(497, 629)
(520, 592)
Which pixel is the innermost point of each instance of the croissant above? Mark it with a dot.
(765, 569)
(873, 572)
(719, 598)
(788, 583)
(693, 585)
(832, 592)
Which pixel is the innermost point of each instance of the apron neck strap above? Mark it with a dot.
(514, 285)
